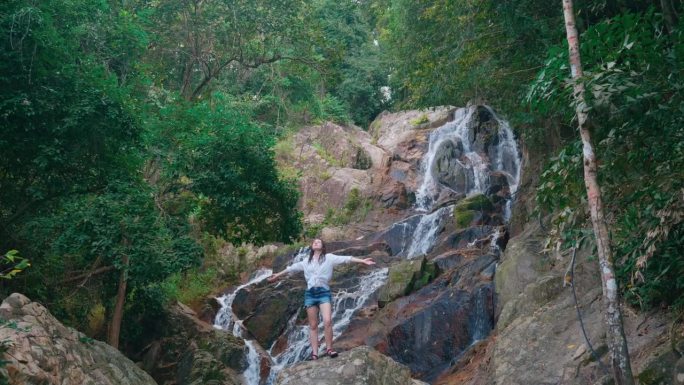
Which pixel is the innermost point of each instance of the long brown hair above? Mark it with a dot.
(323, 251)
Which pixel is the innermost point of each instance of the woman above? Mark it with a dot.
(318, 272)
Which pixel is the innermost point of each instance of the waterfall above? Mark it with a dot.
(423, 237)
(480, 321)
(345, 303)
(461, 157)
(476, 166)
(226, 320)
(508, 161)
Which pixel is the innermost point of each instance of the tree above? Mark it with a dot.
(66, 122)
(622, 371)
(227, 162)
(100, 248)
(194, 42)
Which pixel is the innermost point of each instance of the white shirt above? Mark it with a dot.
(318, 274)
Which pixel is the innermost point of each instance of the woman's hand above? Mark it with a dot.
(368, 261)
(273, 278)
(365, 261)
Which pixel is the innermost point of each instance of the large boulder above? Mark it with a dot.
(191, 351)
(360, 366)
(539, 338)
(392, 129)
(448, 167)
(405, 277)
(40, 350)
(266, 308)
(426, 329)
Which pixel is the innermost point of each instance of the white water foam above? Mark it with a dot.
(345, 304)
(227, 320)
(424, 235)
(506, 159)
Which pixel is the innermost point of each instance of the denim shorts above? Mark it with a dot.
(316, 296)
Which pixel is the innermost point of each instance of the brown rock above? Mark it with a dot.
(192, 351)
(40, 350)
(362, 365)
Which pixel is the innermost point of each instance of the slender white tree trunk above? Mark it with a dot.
(617, 342)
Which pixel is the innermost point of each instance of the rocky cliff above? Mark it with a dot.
(454, 298)
(426, 194)
(40, 350)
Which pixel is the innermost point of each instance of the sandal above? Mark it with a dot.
(313, 357)
(331, 353)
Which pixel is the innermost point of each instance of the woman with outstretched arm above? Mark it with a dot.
(318, 271)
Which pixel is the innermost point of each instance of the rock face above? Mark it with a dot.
(360, 366)
(383, 165)
(538, 336)
(43, 351)
(428, 328)
(265, 308)
(193, 352)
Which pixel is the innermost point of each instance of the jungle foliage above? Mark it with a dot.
(142, 128)
(513, 55)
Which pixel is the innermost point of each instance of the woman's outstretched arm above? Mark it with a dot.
(274, 277)
(290, 269)
(365, 261)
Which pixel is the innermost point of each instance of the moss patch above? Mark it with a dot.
(477, 202)
(463, 217)
(405, 278)
(422, 119)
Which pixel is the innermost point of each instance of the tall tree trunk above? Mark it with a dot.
(617, 342)
(117, 316)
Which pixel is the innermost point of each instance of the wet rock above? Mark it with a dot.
(362, 365)
(397, 235)
(448, 167)
(191, 351)
(394, 195)
(404, 277)
(498, 184)
(360, 251)
(40, 350)
(428, 328)
(484, 132)
(428, 339)
(265, 308)
(473, 211)
(462, 238)
(208, 309)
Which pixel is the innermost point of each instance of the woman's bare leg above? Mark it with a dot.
(312, 315)
(326, 312)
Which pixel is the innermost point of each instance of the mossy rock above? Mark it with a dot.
(399, 280)
(463, 218)
(478, 202)
(406, 277)
(362, 161)
(661, 370)
(420, 121)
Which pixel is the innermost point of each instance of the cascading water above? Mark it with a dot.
(454, 146)
(425, 232)
(345, 303)
(458, 140)
(226, 320)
